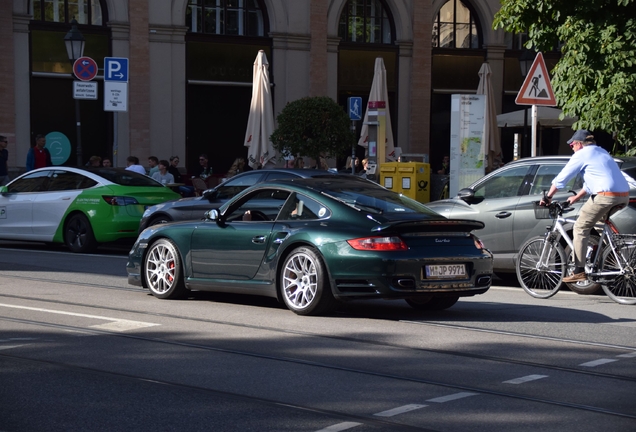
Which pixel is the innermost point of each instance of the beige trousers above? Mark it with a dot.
(592, 211)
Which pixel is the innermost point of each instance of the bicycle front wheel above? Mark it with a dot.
(541, 277)
(622, 288)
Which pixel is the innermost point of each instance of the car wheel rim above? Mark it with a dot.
(160, 268)
(77, 233)
(300, 281)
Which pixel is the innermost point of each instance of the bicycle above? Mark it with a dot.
(610, 260)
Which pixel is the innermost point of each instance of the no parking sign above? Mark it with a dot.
(85, 68)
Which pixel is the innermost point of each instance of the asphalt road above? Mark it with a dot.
(82, 350)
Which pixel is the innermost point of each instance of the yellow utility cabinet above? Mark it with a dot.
(412, 179)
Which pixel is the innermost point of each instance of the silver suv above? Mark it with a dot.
(503, 201)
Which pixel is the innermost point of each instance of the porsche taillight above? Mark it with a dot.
(393, 243)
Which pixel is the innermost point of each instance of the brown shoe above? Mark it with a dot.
(578, 277)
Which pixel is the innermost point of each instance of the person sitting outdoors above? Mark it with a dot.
(204, 170)
(238, 166)
(153, 162)
(347, 169)
(106, 162)
(132, 164)
(162, 175)
(299, 163)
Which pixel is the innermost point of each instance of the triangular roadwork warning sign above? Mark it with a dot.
(536, 89)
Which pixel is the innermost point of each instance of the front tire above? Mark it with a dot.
(541, 279)
(78, 234)
(163, 270)
(304, 283)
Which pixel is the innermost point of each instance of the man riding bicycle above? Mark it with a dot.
(602, 179)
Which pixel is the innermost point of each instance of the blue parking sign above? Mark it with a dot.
(355, 108)
(116, 69)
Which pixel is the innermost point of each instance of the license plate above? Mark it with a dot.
(445, 271)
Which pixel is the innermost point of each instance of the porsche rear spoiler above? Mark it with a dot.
(447, 225)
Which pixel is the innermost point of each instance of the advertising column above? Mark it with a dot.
(467, 152)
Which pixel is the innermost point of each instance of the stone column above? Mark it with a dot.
(139, 81)
(15, 123)
(318, 76)
(420, 115)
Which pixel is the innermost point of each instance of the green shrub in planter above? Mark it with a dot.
(313, 127)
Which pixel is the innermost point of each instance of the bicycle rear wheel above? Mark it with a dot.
(541, 279)
(621, 289)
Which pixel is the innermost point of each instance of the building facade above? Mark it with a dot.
(190, 69)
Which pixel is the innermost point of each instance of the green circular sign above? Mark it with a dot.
(59, 146)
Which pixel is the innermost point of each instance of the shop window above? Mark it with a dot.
(365, 21)
(88, 12)
(226, 17)
(455, 27)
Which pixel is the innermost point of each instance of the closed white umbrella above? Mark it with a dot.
(260, 124)
(491, 132)
(379, 92)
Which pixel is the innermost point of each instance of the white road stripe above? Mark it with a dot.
(10, 346)
(525, 379)
(452, 397)
(597, 362)
(399, 410)
(628, 355)
(116, 324)
(340, 427)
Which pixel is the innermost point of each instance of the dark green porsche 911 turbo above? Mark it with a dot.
(313, 242)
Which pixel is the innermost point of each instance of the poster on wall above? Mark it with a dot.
(467, 149)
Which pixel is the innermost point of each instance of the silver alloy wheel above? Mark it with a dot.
(300, 280)
(161, 267)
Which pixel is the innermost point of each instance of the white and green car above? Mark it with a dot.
(78, 207)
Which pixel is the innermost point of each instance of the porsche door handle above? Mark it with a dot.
(258, 239)
(503, 215)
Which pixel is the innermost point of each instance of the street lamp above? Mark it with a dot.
(75, 41)
(525, 63)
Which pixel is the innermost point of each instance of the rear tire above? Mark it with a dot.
(540, 280)
(621, 289)
(587, 286)
(304, 283)
(432, 303)
(163, 270)
(78, 234)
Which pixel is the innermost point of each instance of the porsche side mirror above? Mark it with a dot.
(210, 194)
(4, 189)
(466, 194)
(212, 215)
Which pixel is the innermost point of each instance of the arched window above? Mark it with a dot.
(455, 27)
(226, 17)
(365, 21)
(63, 11)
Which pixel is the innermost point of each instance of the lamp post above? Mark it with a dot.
(525, 63)
(75, 41)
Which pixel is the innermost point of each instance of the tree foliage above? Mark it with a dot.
(314, 127)
(595, 79)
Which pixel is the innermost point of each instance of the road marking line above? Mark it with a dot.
(116, 325)
(525, 379)
(452, 397)
(597, 362)
(10, 346)
(340, 427)
(628, 355)
(399, 410)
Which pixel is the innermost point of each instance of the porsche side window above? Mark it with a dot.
(505, 184)
(300, 207)
(263, 205)
(34, 182)
(544, 176)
